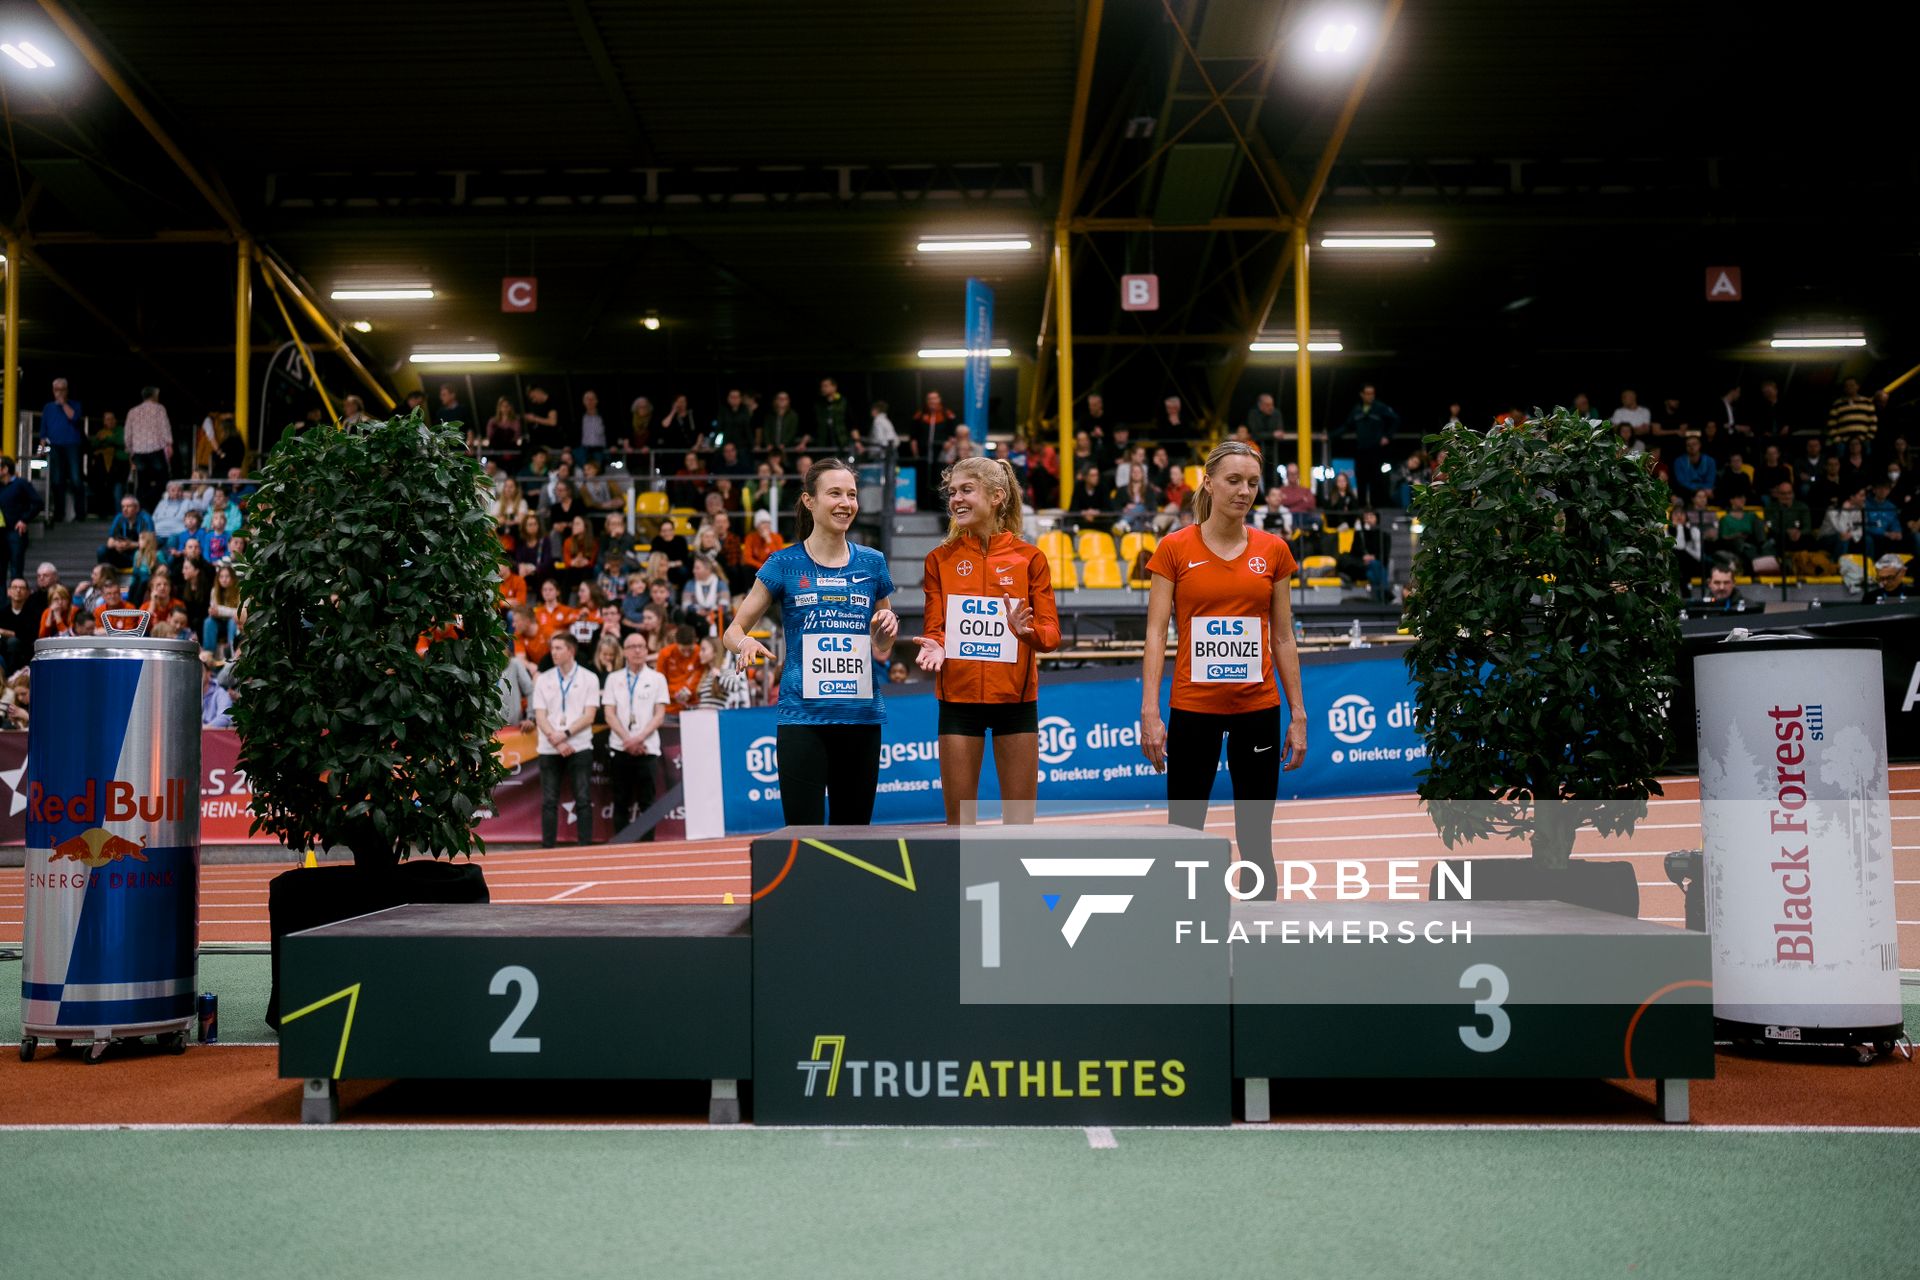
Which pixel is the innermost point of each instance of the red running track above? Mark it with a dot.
(1372, 829)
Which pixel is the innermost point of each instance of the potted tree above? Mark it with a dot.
(1546, 630)
(364, 542)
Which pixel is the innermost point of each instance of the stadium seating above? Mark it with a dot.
(1095, 545)
(1132, 544)
(650, 504)
(1103, 575)
(1065, 576)
(1057, 545)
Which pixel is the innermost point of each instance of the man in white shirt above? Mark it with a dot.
(1632, 413)
(170, 513)
(637, 701)
(565, 698)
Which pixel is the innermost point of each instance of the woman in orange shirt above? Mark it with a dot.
(762, 542)
(553, 615)
(989, 617)
(1228, 586)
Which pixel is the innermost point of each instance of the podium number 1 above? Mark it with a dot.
(508, 1038)
(988, 896)
(1500, 1025)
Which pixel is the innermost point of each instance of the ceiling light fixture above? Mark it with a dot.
(1379, 240)
(382, 293)
(1336, 38)
(33, 51)
(974, 244)
(363, 326)
(1295, 346)
(18, 55)
(454, 357)
(1832, 340)
(960, 353)
(651, 322)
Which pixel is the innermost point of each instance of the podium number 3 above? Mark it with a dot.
(507, 1039)
(1488, 1007)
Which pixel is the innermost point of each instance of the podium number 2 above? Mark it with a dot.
(1500, 1025)
(507, 1039)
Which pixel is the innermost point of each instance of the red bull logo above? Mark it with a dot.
(120, 802)
(97, 847)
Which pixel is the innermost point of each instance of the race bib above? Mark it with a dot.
(977, 628)
(834, 664)
(1223, 649)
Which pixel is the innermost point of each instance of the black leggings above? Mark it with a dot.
(822, 760)
(1253, 765)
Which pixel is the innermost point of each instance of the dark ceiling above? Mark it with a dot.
(758, 172)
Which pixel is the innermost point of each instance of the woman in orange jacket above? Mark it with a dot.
(989, 617)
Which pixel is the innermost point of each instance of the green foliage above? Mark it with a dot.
(1546, 632)
(359, 541)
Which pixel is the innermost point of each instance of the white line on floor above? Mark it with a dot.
(564, 894)
(693, 1126)
(1100, 1138)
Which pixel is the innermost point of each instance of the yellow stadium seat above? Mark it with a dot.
(1859, 562)
(650, 504)
(1103, 575)
(1141, 579)
(1323, 582)
(683, 513)
(1320, 564)
(1346, 540)
(1056, 545)
(1095, 545)
(1192, 475)
(1132, 544)
(1064, 576)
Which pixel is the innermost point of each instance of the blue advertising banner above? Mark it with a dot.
(979, 364)
(1361, 741)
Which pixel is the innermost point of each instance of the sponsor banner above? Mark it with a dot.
(1361, 741)
(226, 812)
(979, 365)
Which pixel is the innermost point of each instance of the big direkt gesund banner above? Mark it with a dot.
(1361, 741)
(226, 802)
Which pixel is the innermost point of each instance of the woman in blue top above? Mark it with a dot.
(834, 597)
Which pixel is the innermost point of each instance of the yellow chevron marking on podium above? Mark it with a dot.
(352, 995)
(904, 878)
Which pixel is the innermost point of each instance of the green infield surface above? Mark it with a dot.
(887, 1202)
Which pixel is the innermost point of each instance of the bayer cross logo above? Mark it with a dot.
(1087, 905)
(1057, 740)
(1351, 718)
(1258, 564)
(964, 568)
(763, 760)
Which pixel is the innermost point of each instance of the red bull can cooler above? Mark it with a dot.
(113, 837)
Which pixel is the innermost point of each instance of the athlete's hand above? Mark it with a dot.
(1153, 740)
(751, 651)
(886, 625)
(1020, 618)
(932, 655)
(1296, 742)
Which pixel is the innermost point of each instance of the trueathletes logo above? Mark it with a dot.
(831, 1074)
(1087, 905)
